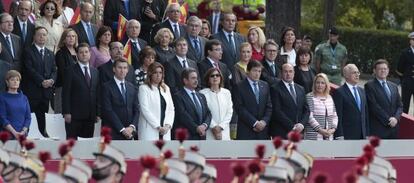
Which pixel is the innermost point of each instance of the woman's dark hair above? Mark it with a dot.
(101, 32)
(284, 31)
(42, 9)
(145, 52)
(151, 70)
(207, 76)
(302, 51)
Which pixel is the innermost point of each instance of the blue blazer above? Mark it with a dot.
(352, 122)
(381, 109)
(115, 112)
(186, 114)
(249, 111)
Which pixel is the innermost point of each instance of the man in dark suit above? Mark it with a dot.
(231, 40)
(405, 70)
(271, 71)
(22, 25)
(120, 107)
(214, 53)
(290, 110)
(11, 43)
(351, 107)
(85, 29)
(106, 72)
(133, 29)
(80, 95)
(384, 103)
(127, 8)
(175, 66)
(253, 105)
(191, 111)
(39, 77)
(173, 13)
(195, 42)
(215, 17)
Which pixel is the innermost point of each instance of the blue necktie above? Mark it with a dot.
(256, 92)
(198, 107)
(357, 99)
(176, 32)
(215, 24)
(9, 45)
(90, 35)
(292, 92)
(24, 31)
(197, 47)
(123, 91)
(387, 90)
(231, 41)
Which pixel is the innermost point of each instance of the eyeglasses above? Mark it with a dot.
(215, 76)
(271, 50)
(50, 8)
(217, 49)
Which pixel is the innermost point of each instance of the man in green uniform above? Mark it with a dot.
(331, 57)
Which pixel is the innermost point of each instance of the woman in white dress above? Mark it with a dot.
(220, 104)
(156, 106)
(49, 12)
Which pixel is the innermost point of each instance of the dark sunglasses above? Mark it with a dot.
(215, 75)
(50, 8)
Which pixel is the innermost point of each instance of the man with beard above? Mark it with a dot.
(109, 165)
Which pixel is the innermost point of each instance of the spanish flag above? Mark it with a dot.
(127, 51)
(76, 16)
(183, 8)
(122, 21)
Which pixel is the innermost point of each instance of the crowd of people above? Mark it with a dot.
(201, 76)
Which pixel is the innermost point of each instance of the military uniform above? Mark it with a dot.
(405, 70)
(331, 60)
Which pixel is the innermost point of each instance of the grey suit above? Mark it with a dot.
(6, 53)
(192, 53)
(173, 70)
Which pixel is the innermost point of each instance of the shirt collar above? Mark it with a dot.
(21, 21)
(83, 65)
(118, 82)
(181, 58)
(39, 48)
(270, 62)
(350, 86)
(173, 23)
(287, 84)
(85, 23)
(211, 61)
(189, 92)
(5, 34)
(381, 80)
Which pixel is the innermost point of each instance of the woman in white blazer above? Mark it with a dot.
(220, 105)
(156, 106)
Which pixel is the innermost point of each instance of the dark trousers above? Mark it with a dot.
(40, 107)
(407, 90)
(80, 128)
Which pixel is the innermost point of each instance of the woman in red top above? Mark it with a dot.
(256, 38)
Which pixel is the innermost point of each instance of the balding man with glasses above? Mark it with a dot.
(11, 43)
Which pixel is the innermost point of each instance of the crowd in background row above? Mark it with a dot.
(200, 76)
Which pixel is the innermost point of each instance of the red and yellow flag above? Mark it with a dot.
(183, 8)
(122, 21)
(128, 51)
(76, 16)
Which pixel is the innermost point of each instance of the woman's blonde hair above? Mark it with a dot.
(63, 37)
(157, 37)
(260, 34)
(326, 80)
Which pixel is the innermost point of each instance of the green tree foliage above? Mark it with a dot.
(379, 14)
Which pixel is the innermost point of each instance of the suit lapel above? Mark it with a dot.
(287, 92)
(379, 87)
(5, 45)
(189, 100)
(249, 89)
(82, 31)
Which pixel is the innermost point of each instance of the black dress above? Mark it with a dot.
(163, 108)
(163, 55)
(304, 78)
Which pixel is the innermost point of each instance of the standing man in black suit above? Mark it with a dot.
(85, 29)
(231, 40)
(405, 70)
(384, 102)
(22, 25)
(351, 107)
(80, 95)
(191, 111)
(133, 29)
(120, 107)
(271, 71)
(173, 13)
(290, 110)
(128, 8)
(215, 17)
(39, 77)
(106, 73)
(253, 105)
(12, 46)
(195, 42)
(213, 51)
(175, 66)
